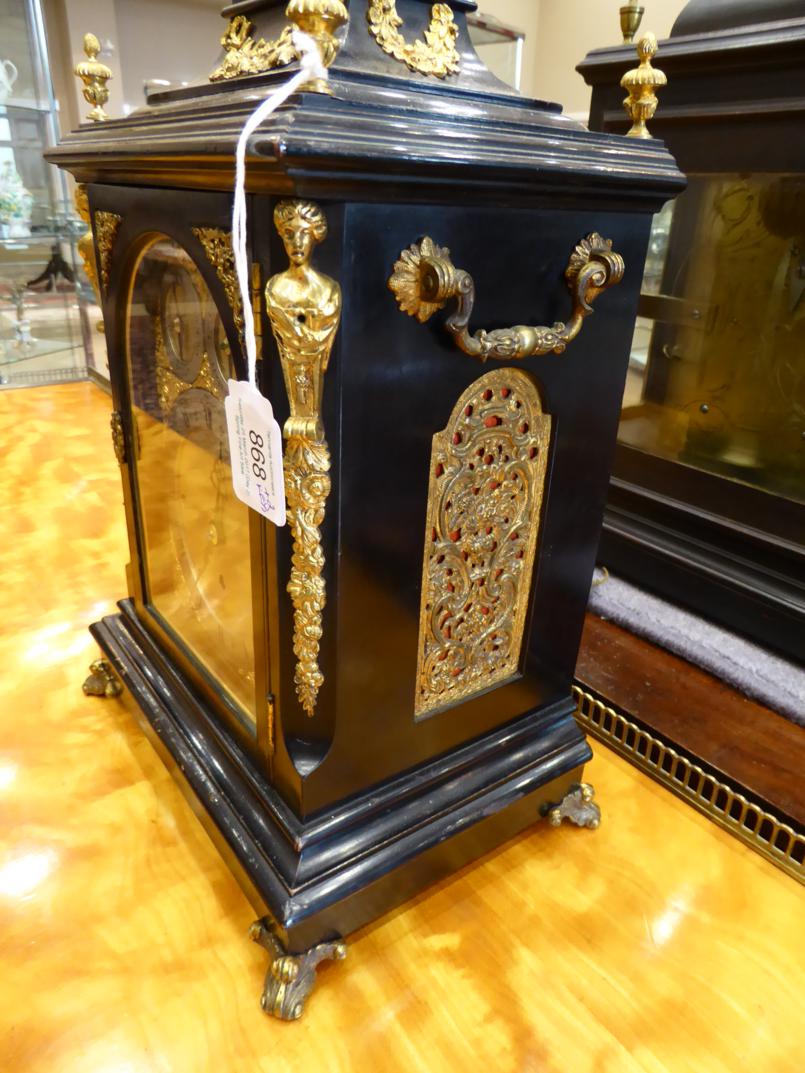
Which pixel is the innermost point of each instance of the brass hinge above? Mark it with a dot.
(118, 437)
(257, 305)
(270, 705)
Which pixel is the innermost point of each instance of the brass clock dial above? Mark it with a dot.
(182, 321)
(200, 474)
(223, 353)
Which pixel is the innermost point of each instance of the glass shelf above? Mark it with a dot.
(13, 353)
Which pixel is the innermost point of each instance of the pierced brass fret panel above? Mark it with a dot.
(487, 478)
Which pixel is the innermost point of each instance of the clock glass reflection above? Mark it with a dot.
(195, 532)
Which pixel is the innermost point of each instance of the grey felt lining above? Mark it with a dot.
(748, 668)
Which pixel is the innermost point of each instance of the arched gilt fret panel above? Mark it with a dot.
(487, 478)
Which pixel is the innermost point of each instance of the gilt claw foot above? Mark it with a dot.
(290, 977)
(578, 807)
(102, 681)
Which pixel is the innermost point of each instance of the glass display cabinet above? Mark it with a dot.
(707, 501)
(360, 701)
(498, 46)
(45, 298)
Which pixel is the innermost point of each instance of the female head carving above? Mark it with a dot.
(301, 225)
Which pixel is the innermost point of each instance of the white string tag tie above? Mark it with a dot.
(255, 438)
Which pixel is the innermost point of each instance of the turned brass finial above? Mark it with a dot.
(640, 83)
(94, 75)
(320, 19)
(245, 55)
(631, 17)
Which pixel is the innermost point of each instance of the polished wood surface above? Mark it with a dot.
(747, 742)
(655, 944)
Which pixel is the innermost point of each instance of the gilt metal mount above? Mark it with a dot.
(433, 54)
(641, 84)
(290, 977)
(631, 17)
(304, 310)
(578, 807)
(425, 279)
(245, 55)
(118, 436)
(94, 75)
(102, 681)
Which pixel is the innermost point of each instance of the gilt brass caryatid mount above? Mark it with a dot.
(304, 308)
(425, 279)
(94, 75)
(640, 84)
(319, 19)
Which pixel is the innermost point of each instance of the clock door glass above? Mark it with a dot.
(195, 532)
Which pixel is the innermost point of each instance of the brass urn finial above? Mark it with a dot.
(94, 75)
(640, 84)
(319, 19)
(631, 17)
(245, 55)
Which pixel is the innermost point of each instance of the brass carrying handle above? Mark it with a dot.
(425, 279)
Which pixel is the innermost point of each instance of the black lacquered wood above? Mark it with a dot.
(715, 16)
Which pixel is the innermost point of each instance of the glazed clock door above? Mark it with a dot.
(194, 533)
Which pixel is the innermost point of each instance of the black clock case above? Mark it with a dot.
(329, 822)
(735, 102)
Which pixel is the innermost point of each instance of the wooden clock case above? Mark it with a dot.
(330, 821)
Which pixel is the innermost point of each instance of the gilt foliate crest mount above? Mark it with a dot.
(425, 279)
(435, 55)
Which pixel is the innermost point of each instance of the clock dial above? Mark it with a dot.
(181, 314)
(223, 353)
(195, 529)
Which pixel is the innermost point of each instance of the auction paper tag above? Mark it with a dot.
(255, 451)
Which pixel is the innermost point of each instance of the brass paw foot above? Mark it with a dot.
(290, 977)
(102, 681)
(578, 807)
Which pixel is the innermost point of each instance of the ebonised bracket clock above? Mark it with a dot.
(362, 700)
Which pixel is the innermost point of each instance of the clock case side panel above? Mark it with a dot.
(142, 218)
(398, 382)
